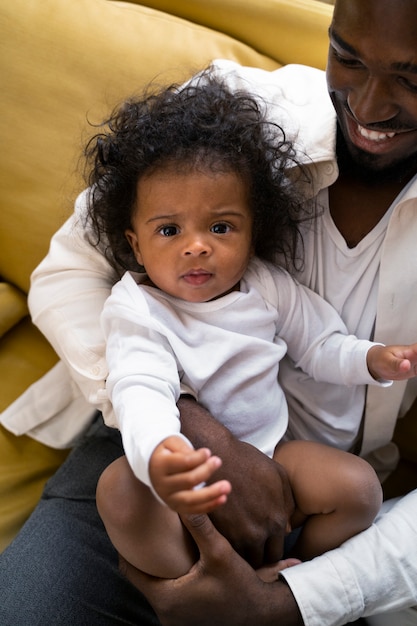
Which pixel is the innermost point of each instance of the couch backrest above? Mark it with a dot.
(62, 62)
(288, 31)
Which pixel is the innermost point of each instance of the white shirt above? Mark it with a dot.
(352, 290)
(227, 351)
(371, 573)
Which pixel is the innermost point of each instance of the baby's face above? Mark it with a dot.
(192, 232)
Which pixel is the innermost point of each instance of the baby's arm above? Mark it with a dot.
(177, 471)
(392, 362)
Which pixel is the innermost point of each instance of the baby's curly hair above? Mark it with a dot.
(205, 126)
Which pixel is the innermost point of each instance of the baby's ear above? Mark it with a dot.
(134, 244)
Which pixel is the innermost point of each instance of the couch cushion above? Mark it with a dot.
(25, 466)
(13, 307)
(25, 356)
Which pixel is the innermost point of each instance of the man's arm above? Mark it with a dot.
(373, 572)
(67, 294)
(221, 588)
(254, 518)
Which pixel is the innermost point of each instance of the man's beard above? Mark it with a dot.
(365, 166)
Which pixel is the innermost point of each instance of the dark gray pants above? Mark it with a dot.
(61, 570)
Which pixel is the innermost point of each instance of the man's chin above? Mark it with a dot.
(370, 167)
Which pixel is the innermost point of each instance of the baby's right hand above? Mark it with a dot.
(177, 471)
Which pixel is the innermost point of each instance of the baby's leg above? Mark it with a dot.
(146, 533)
(337, 494)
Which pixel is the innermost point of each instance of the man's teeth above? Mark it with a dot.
(374, 135)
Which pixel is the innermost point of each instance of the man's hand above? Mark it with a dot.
(176, 470)
(221, 588)
(255, 516)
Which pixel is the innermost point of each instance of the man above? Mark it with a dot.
(361, 255)
(372, 81)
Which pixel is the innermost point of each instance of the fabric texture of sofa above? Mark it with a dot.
(66, 64)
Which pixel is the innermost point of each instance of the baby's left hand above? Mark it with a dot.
(392, 362)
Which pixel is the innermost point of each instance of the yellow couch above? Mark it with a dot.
(63, 61)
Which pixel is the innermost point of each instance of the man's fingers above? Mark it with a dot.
(144, 582)
(209, 542)
(274, 548)
(204, 533)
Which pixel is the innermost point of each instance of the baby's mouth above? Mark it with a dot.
(197, 277)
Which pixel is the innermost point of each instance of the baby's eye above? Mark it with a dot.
(221, 228)
(168, 231)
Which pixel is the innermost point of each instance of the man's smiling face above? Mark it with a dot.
(372, 81)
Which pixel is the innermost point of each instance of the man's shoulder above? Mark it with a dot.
(291, 71)
(296, 84)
